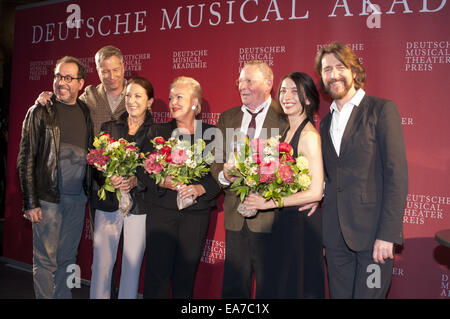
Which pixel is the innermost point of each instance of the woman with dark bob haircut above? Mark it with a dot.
(109, 223)
(297, 258)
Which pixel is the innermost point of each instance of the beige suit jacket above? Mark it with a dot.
(97, 102)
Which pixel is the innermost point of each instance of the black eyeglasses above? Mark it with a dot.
(67, 78)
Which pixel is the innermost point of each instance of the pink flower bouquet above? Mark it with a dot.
(115, 157)
(184, 162)
(268, 168)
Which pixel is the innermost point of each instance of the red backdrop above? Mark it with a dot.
(405, 51)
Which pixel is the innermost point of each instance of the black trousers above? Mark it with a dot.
(354, 274)
(175, 242)
(246, 255)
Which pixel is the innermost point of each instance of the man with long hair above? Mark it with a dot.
(366, 179)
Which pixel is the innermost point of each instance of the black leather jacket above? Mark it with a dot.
(37, 162)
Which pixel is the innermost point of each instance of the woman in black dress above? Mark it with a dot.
(175, 238)
(297, 235)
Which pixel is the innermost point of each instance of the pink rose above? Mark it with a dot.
(257, 145)
(151, 165)
(257, 158)
(97, 157)
(179, 156)
(267, 171)
(286, 173)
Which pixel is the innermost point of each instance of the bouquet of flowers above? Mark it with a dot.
(186, 163)
(268, 168)
(115, 157)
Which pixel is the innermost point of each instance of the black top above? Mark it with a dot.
(72, 148)
(166, 198)
(296, 137)
(119, 129)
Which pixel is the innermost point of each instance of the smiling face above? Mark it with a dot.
(337, 78)
(254, 88)
(67, 92)
(111, 73)
(137, 101)
(181, 102)
(289, 98)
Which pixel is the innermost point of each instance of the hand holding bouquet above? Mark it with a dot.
(267, 167)
(183, 162)
(115, 158)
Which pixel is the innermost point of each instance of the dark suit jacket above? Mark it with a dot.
(232, 118)
(366, 186)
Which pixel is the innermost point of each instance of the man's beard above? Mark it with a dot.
(338, 95)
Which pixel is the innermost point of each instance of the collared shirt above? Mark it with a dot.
(115, 101)
(246, 118)
(340, 119)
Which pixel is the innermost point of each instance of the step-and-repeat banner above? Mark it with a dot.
(403, 44)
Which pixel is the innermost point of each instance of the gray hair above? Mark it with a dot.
(263, 67)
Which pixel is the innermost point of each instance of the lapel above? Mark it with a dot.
(352, 124)
(236, 118)
(274, 120)
(326, 135)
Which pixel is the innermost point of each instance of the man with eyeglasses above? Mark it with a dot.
(247, 237)
(54, 178)
(106, 101)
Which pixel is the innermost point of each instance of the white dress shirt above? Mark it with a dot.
(340, 119)
(246, 118)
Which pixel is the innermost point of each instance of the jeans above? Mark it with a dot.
(55, 245)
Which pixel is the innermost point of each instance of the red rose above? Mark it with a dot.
(130, 146)
(160, 140)
(285, 148)
(166, 150)
(106, 134)
(289, 158)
